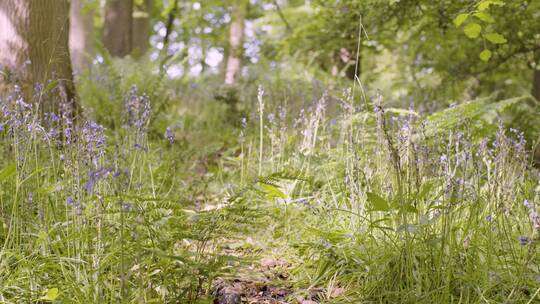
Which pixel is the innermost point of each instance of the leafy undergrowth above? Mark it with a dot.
(204, 204)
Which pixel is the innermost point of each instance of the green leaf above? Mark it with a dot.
(460, 19)
(53, 84)
(485, 4)
(485, 55)
(51, 295)
(425, 190)
(378, 203)
(7, 172)
(484, 17)
(496, 38)
(409, 208)
(273, 191)
(483, 111)
(472, 30)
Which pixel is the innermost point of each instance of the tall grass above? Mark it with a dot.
(96, 215)
(398, 209)
(392, 205)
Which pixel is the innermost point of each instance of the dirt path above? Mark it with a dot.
(270, 285)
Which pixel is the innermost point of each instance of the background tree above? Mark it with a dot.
(118, 23)
(236, 38)
(141, 27)
(417, 43)
(536, 77)
(34, 45)
(490, 48)
(81, 34)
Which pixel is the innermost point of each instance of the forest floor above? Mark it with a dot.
(266, 279)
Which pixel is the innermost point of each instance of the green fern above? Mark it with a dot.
(478, 115)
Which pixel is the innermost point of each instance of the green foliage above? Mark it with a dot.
(485, 55)
(472, 30)
(478, 115)
(394, 200)
(496, 38)
(378, 203)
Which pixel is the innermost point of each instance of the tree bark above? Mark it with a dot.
(117, 36)
(141, 29)
(81, 35)
(236, 37)
(34, 47)
(536, 84)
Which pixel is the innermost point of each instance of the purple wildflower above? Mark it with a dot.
(70, 201)
(94, 140)
(169, 135)
(126, 206)
(524, 240)
(528, 204)
(30, 198)
(120, 172)
(66, 110)
(137, 110)
(20, 102)
(443, 159)
(140, 147)
(94, 177)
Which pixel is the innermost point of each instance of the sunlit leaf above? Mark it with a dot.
(273, 191)
(377, 203)
(472, 30)
(485, 55)
(485, 4)
(425, 190)
(484, 17)
(460, 19)
(496, 38)
(409, 208)
(51, 295)
(7, 172)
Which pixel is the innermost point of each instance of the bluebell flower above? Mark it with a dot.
(70, 201)
(127, 206)
(140, 147)
(94, 140)
(169, 135)
(94, 177)
(524, 240)
(137, 110)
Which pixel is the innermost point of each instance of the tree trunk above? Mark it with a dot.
(81, 35)
(34, 47)
(236, 37)
(536, 84)
(141, 29)
(117, 36)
